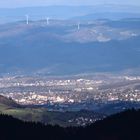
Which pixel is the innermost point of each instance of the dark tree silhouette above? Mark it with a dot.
(122, 126)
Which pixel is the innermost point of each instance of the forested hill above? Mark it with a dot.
(123, 126)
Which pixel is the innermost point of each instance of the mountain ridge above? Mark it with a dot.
(61, 11)
(104, 46)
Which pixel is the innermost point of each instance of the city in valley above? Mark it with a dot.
(89, 92)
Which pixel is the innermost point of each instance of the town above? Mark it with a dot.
(70, 90)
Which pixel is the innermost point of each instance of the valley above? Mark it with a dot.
(69, 72)
(45, 99)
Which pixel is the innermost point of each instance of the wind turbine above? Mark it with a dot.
(47, 19)
(27, 19)
(78, 26)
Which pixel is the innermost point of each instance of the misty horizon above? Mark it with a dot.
(38, 3)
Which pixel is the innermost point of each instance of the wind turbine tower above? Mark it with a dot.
(27, 19)
(47, 19)
(78, 27)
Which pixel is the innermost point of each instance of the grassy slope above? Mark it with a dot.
(43, 115)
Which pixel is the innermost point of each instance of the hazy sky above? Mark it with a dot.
(23, 3)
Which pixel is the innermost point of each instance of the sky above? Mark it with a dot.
(28, 3)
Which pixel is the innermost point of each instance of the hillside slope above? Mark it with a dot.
(41, 114)
(61, 49)
(8, 102)
(123, 126)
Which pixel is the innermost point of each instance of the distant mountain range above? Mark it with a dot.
(61, 48)
(108, 15)
(65, 12)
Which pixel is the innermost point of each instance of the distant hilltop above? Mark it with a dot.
(63, 47)
(8, 102)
